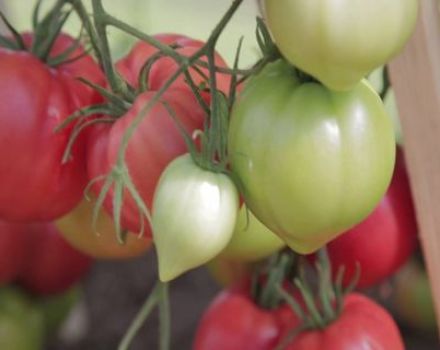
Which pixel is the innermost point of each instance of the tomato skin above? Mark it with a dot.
(52, 265)
(34, 99)
(12, 253)
(101, 243)
(193, 217)
(340, 42)
(234, 322)
(155, 143)
(131, 65)
(363, 324)
(251, 240)
(412, 299)
(21, 322)
(385, 240)
(313, 162)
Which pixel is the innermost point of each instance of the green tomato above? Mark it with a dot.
(313, 162)
(251, 241)
(57, 308)
(21, 322)
(193, 216)
(339, 42)
(413, 301)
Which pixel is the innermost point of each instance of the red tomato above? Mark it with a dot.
(157, 141)
(34, 99)
(383, 242)
(12, 252)
(131, 65)
(51, 265)
(234, 322)
(363, 324)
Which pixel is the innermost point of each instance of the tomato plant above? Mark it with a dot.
(251, 240)
(313, 162)
(193, 217)
(339, 44)
(99, 242)
(34, 99)
(21, 322)
(361, 324)
(385, 240)
(158, 139)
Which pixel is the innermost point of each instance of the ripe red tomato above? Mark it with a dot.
(51, 265)
(12, 252)
(363, 324)
(39, 258)
(34, 99)
(157, 141)
(131, 65)
(234, 322)
(384, 241)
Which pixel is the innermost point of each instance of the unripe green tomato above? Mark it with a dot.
(340, 42)
(413, 301)
(21, 321)
(193, 217)
(313, 162)
(251, 241)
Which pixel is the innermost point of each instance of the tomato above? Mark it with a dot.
(362, 324)
(51, 265)
(193, 216)
(412, 300)
(155, 143)
(21, 322)
(157, 140)
(227, 272)
(56, 308)
(34, 99)
(131, 65)
(234, 322)
(12, 252)
(313, 162)
(251, 240)
(385, 240)
(100, 242)
(340, 42)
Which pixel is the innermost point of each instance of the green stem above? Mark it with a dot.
(164, 319)
(117, 84)
(142, 315)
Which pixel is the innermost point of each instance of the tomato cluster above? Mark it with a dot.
(174, 149)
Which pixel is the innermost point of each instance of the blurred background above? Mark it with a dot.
(100, 309)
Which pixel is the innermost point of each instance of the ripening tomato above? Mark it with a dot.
(313, 162)
(234, 322)
(99, 242)
(385, 240)
(337, 42)
(51, 265)
(251, 240)
(193, 216)
(34, 99)
(362, 324)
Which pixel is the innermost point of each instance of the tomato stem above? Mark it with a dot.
(146, 309)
